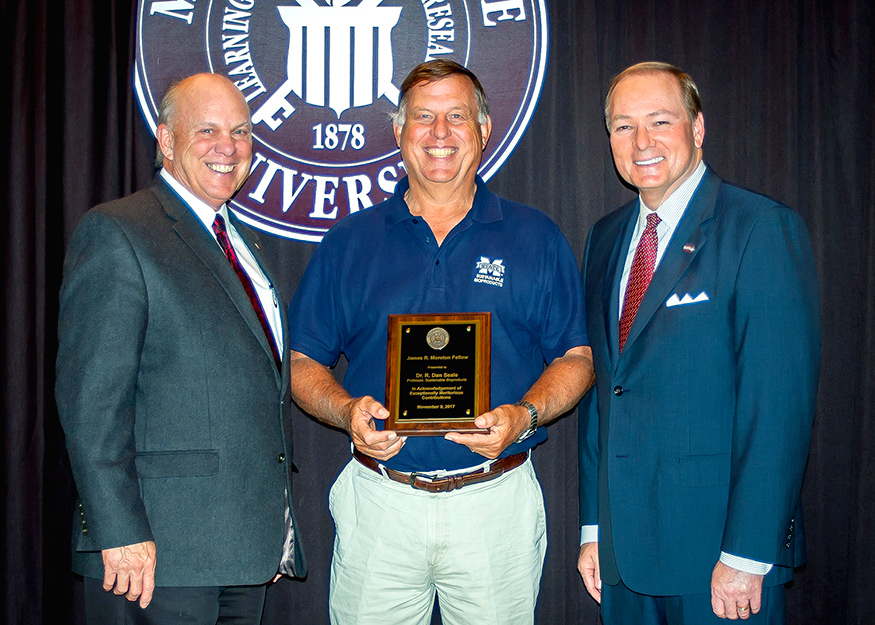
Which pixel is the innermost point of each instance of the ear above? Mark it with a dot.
(165, 141)
(699, 131)
(396, 129)
(485, 132)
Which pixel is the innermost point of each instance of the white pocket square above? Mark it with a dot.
(674, 300)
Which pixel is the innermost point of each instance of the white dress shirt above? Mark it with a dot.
(263, 288)
(670, 213)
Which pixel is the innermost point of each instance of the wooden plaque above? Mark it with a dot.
(438, 372)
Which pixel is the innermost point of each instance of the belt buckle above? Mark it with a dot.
(442, 485)
(412, 481)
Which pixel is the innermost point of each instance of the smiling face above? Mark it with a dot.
(655, 144)
(207, 144)
(441, 140)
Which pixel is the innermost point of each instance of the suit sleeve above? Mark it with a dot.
(102, 327)
(588, 457)
(777, 341)
(588, 438)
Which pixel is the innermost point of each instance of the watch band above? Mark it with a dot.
(533, 420)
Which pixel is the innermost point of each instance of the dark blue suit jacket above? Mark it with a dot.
(696, 439)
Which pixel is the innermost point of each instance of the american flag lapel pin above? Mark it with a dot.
(689, 248)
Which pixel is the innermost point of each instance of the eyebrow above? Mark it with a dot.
(459, 107)
(209, 124)
(653, 114)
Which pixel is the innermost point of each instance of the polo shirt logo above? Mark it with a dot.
(489, 272)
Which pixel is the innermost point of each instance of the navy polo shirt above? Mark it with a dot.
(384, 261)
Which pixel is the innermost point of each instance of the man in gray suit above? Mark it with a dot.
(172, 385)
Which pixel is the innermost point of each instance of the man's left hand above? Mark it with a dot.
(505, 424)
(735, 594)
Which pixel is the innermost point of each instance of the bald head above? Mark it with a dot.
(205, 136)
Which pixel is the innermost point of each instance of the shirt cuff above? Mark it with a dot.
(589, 534)
(744, 564)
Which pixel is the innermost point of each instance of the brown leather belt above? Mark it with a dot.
(448, 483)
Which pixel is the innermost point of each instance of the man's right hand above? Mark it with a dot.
(319, 394)
(360, 414)
(131, 571)
(588, 566)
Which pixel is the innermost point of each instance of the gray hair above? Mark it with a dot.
(167, 112)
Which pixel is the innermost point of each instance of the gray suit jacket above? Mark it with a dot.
(177, 420)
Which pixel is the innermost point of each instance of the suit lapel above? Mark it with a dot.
(622, 236)
(693, 229)
(191, 230)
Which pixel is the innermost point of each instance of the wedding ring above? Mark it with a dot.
(744, 609)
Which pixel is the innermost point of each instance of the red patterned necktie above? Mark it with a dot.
(231, 255)
(639, 277)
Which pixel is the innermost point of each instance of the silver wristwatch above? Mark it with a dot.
(533, 420)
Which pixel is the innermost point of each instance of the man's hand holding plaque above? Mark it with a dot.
(503, 425)
(360, 414)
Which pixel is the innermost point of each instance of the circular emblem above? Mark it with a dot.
(437, 338)
(322, 76)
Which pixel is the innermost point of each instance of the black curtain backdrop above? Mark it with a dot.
(787, 88)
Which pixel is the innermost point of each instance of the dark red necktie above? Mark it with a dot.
(639, 277)
(231, 255)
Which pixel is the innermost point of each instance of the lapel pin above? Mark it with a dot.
(689, 248)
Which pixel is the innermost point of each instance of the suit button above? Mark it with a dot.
(618, 390)
(281, 458)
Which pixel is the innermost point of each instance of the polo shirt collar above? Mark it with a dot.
(485, 209)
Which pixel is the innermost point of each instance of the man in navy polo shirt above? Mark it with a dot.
(442, 244)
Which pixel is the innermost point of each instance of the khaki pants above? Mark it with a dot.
(481, 548)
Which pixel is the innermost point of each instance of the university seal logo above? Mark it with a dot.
(322, 76)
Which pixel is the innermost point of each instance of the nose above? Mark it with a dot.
(225, 144)
(642, 138)
(440, 129)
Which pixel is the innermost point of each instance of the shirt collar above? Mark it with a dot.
(485, 209)
(672, 209)
(204, 212)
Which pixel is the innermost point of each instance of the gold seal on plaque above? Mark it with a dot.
(437, 338)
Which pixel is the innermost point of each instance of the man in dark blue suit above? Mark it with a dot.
(702, 313)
